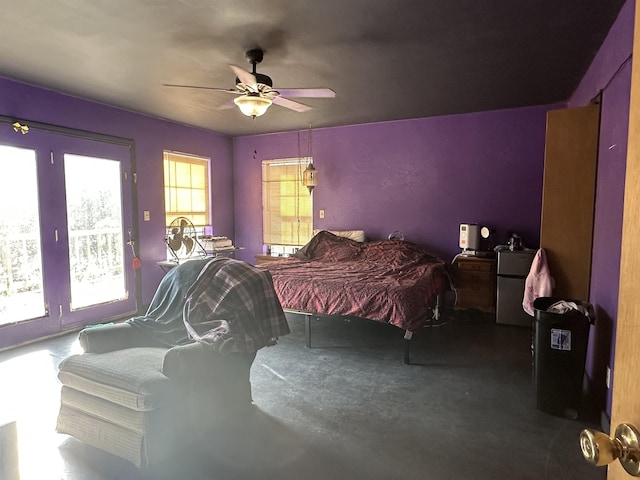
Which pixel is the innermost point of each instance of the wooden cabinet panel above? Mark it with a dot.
(475, 283)
(568, 198)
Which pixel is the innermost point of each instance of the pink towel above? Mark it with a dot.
(539, 282)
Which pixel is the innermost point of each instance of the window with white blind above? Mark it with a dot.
(286, 204)
(186, 188)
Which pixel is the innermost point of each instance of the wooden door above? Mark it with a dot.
(626, 380)
(568, 198)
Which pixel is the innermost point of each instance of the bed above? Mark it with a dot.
(390, 281)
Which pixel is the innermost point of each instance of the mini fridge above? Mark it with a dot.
(512, 270)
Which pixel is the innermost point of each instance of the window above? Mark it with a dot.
(186, 188)
(286, 204)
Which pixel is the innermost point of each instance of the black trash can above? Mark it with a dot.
(559, 354)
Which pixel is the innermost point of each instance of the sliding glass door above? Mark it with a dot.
(21, 277)
(65, 223)
(94, 230)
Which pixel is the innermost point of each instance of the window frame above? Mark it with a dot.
(282, 241)
(200, 217)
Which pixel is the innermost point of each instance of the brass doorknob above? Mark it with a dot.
(598, 449)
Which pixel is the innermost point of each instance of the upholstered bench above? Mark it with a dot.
(146, 389)
(143, 403)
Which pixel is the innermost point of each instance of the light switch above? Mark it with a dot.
(147, 215)
(321, 213)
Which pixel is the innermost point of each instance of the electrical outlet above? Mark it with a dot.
(321, 213)
(608, 377)
(147, 215)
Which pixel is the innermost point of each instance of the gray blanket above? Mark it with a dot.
(163, 320)
(225, 303)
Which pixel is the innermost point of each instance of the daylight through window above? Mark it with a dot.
(286, 203)
(186, 188)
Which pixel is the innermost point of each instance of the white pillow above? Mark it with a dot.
(356, 235)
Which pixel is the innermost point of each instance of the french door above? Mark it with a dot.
(65, 223)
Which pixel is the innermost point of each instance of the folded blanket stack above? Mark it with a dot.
(213, 244)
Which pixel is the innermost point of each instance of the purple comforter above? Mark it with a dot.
(388, 281)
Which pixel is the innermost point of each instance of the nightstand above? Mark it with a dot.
(475, 283)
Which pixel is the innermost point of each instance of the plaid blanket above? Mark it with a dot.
(162, 324)
(233, 307)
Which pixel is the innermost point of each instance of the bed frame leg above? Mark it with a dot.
(407, 347)
(307, 329)
(407, 352)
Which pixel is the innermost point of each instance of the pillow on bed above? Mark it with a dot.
(327, 246)
(356, 235)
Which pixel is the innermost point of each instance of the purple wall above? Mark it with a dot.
(610, 73)
(426, 176)
(151, 137)
(423, 177)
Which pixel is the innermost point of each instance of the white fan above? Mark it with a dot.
(181, 238)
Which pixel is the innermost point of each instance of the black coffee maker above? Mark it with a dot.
(515, 242)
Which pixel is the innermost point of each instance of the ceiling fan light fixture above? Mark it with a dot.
(252, 105)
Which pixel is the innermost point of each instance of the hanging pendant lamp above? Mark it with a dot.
(310, 177)
(310, 174)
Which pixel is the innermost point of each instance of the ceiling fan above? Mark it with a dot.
(255, 92)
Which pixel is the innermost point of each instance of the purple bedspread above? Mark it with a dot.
(389, 281)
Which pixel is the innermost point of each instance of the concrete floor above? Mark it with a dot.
(348, 408)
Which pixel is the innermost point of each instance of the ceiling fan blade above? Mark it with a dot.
(228, 90)
(245, 77)
(306, 92)
(227, 106)
(291, 105)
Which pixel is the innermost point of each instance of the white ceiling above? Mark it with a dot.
(386, 60)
